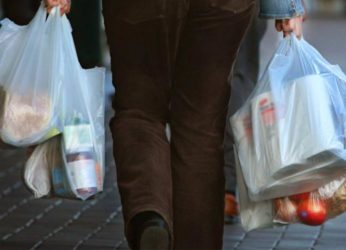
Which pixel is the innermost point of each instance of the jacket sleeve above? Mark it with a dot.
(281, 9)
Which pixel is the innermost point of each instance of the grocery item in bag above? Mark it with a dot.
(30, 89)
(80, 159)
(309, 208)
(297, 122)
(37, 172)
(21, 119)
(58, 97)
(59, 179)
(307, 114)
(46, 174)
(312, 208)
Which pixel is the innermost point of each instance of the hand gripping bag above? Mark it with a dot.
(290, 133)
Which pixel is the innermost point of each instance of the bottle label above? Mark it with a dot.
(77, 137)
(83, 173)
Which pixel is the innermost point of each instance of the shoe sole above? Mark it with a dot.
(154, 238)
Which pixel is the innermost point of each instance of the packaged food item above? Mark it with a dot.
(61, 187)
(80, 158)
(309, 208)
(26, 121)
(60, 183)
(290, 133)
(36, 172)
(29, 90)
(46, 173)
(312, 208)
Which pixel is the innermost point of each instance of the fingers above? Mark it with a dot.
(278, 25)
(65, 9)
(50, 4)
(296, 26)
(65, 5)
(287, 26)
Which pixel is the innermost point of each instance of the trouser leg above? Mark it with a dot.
(200, 98)
(20, 11)
(137, 33)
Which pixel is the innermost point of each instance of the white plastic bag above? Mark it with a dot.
(37, 172)
(83, 134)
(79, 109)
(290, 133)
(29, 81)
(309, 208)
(46, 173)
(253, 215)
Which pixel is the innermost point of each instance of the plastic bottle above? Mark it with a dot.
(80, 158)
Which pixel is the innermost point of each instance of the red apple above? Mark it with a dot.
(312, 211)
(299, 197)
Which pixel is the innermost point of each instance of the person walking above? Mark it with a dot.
(170, 63)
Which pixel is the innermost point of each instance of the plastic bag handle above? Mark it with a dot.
(40, 16)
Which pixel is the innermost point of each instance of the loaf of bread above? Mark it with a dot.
(23, 116)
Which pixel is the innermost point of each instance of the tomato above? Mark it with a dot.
(312, 212)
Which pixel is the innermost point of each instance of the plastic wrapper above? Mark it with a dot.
(29, 87)
(77, 99)
(310, 208)
(36, 171)
(43, 87)
(60, 185)
(46, 173)
(290, 133)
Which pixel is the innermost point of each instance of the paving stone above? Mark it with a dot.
(293, 244)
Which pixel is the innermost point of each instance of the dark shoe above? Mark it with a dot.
(151, 231)
(231, 208)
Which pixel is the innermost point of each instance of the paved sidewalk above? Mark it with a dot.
(26, 223)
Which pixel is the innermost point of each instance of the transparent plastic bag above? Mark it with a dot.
(310, 208)
(253, 214)
(83, 115)
(47, 174)
(29, 82)
(290, 133)
(80, 109)
(36, 171)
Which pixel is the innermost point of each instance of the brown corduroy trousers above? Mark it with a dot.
(170, 63)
